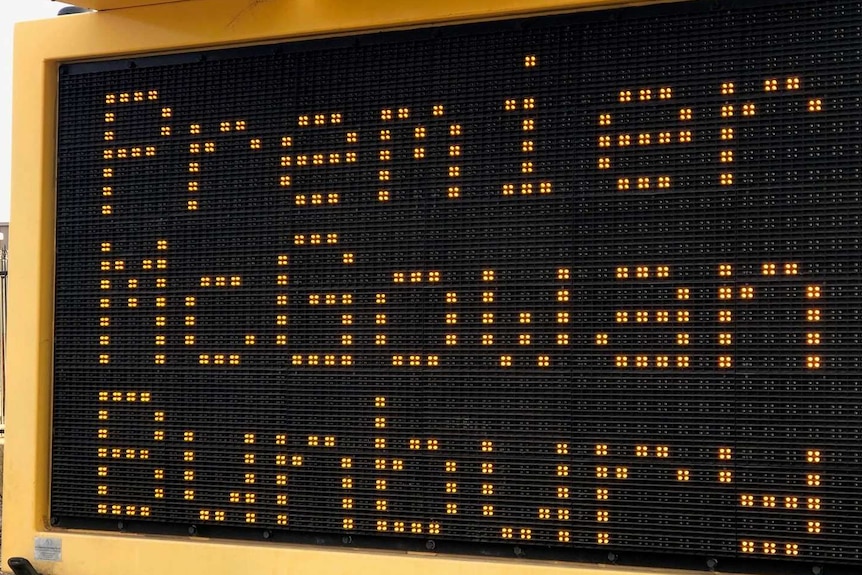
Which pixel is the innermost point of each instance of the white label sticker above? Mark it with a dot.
(47, 549)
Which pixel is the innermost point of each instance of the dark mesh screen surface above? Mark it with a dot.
(586, 282)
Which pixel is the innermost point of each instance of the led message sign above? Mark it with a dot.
(586, 281)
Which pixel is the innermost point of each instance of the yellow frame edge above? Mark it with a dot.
(116, 4)
(167, 27)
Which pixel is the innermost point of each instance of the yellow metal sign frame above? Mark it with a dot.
(40, 47)
(117, 4)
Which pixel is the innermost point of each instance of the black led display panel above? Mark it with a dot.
(587, 282)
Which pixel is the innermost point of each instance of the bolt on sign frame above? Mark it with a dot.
(637, 331)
